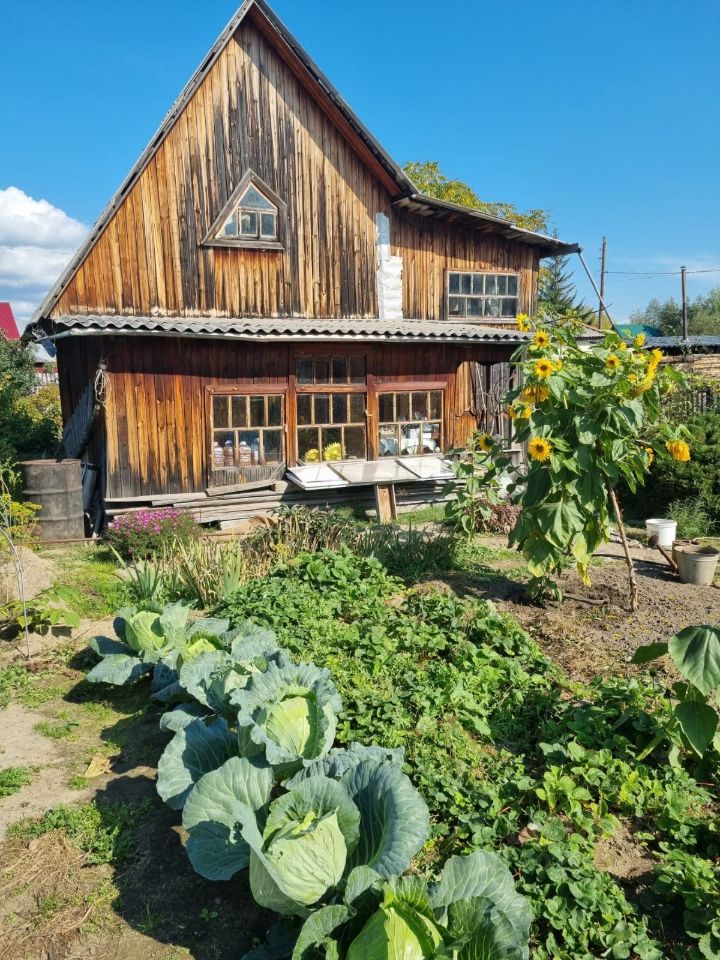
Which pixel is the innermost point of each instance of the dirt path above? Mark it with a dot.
(109, 879)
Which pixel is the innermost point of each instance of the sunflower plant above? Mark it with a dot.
(589, 416)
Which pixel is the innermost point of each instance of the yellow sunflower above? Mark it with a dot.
(622, 345)
(678, 450)
(643, 387)
(650, 455)
(535, 394)
(639, 340)
(632, 378)
(519, 411)
(522, 322)
(543, 368)
(559, 365)
(612, 362)
(656, 356)
(540, 449)
(541, 339)
(486, 442)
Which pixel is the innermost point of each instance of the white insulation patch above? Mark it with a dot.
(389, 273)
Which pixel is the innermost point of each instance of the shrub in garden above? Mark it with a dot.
(140, 534)
(590, 417)
(477, 470)
(671, 480)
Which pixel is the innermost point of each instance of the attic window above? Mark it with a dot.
(255, 217)
(252, 217)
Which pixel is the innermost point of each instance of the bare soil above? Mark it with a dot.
(599, 639)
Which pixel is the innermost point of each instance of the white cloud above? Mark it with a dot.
(36, 241)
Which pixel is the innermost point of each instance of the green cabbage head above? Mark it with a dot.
(289, 712)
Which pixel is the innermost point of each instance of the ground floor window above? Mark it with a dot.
(247, 430)
(410, 423)
(331, 426)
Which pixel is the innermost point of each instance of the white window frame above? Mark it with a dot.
(482, 297)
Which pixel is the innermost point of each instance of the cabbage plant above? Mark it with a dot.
(472, 912)
(204, 735)
(302, 846)
(288, 713)
(154, 639)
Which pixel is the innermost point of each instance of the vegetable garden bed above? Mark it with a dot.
(616, 857)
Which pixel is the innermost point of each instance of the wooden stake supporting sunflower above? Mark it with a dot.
(589, 417)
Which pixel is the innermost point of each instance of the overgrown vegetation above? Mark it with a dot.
(510, 757)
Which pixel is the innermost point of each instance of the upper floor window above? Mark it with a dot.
(252, 217)
(483, 295)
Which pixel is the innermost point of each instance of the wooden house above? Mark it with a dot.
(268, 288)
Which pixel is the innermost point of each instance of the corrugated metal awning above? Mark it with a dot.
(292, 328)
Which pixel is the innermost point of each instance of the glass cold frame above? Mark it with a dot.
(411, 423)
(478, 295)
(254, 419)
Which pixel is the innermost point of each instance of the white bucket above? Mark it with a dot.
(664, 530)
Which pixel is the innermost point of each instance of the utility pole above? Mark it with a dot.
(683, 272)
(602, 282)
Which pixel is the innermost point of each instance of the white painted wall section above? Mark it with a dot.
(389, 273)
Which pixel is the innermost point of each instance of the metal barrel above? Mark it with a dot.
(56, 486)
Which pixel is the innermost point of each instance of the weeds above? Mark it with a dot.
(692, 517)
(13, 779)
(104, 832)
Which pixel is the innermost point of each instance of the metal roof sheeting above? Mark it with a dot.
(439, 331)
(8, 327)
(702, 342)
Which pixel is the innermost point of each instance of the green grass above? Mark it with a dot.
(92, 574)
(29, 689)
(64, 728)
(13, 779)
(430, 514)
(105, 832)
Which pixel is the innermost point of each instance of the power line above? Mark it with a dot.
(662, 273)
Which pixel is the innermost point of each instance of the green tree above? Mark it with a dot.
(557, 294)
(703, 315)
(430, 179)
(30, 421)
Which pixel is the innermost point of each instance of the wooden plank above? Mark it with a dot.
(385, 502)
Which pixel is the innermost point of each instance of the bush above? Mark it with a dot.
(692, 518)
(139, 535)
(669, 480)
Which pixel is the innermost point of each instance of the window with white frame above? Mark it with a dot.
(478, 296)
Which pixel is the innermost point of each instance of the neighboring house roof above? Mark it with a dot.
(401, 188)
(632, 329)
(421, 331)
(8, 326)
(708, 343)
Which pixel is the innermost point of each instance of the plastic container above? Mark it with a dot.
(664, 530)
(696, 564)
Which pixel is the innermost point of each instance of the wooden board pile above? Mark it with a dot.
(230, 507)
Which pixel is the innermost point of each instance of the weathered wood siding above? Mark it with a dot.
(255, 110)
(157, 409)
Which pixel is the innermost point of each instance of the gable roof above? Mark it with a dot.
(8, 326)
(396, 181)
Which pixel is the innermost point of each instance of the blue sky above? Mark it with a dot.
(605, 113)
